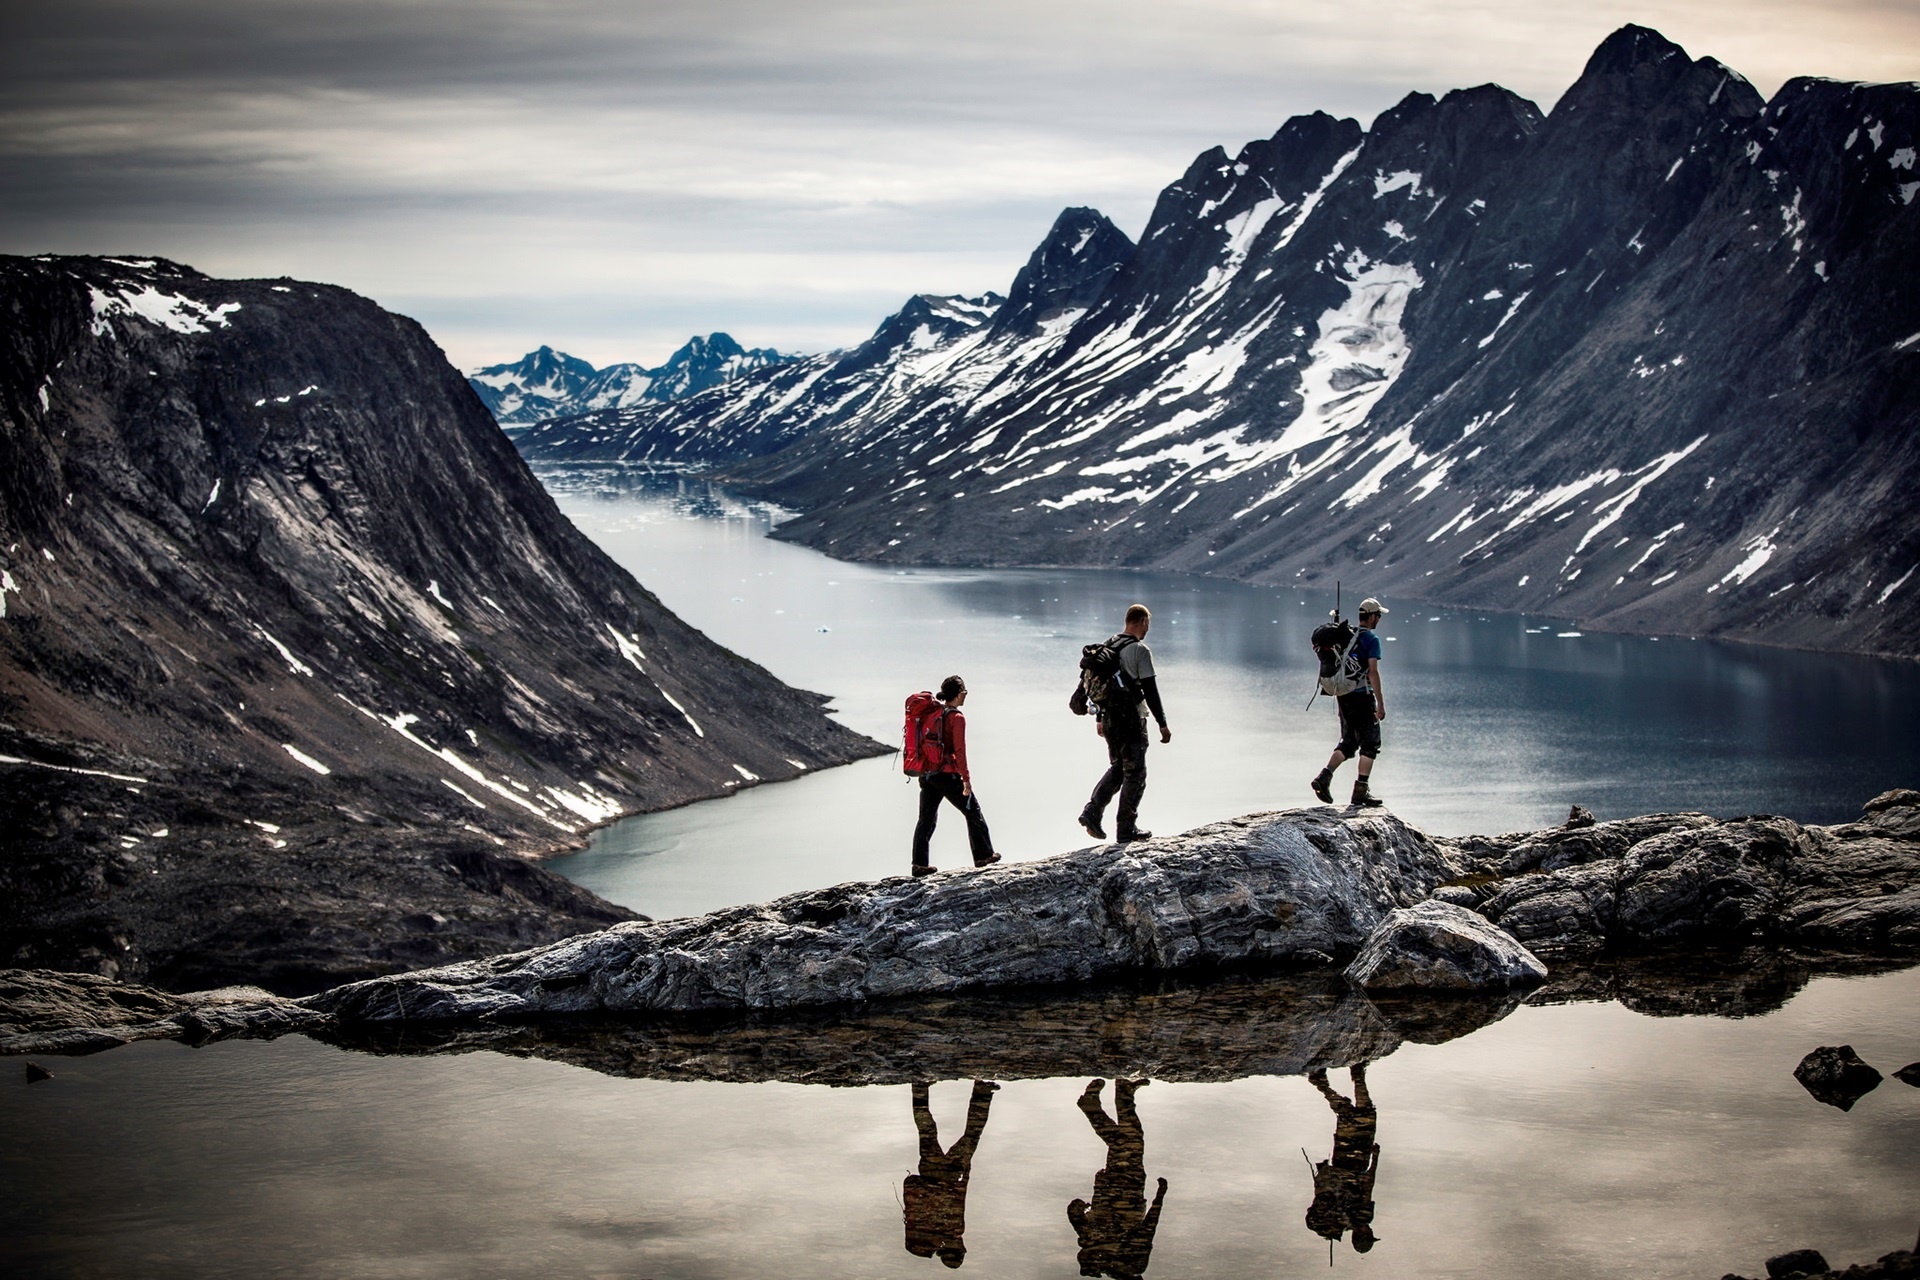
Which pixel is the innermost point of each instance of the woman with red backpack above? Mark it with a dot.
(936, 750)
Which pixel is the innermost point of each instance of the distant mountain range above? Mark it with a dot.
(298, 663)
(1651, 361)
(548, 383)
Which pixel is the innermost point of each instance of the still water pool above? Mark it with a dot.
(1565, 1140)
(1496, 722)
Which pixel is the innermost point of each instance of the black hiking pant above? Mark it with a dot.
(1126, 776)
(935, 787)
(1359, 731)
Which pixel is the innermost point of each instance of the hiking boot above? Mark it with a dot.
(1138, 833)
(1090, 823)
(1363, 798)
(1322, 787)
(922, 871)
(987, 861)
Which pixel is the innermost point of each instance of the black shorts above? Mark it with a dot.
(1359, 731)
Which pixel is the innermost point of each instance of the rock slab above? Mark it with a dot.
(1440, 946)
(1300, 886)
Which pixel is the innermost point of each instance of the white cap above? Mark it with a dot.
(1370, 605)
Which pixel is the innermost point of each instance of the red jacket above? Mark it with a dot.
(954, 726)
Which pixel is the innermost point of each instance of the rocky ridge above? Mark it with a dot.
(1305, 890)
(298, 662)
(1644, 361)
(549, 384)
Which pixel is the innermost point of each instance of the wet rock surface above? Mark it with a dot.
(1901, 1264)
(1688, 880)
(1837, 1076)
(1301, 887)
(1438, 946)
(1304, 889)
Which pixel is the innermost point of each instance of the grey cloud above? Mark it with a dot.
(800, 152)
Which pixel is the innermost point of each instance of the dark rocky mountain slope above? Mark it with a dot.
(548, 383)
(1649, 361)
(298, 662)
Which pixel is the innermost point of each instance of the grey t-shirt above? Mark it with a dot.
(1136, 661)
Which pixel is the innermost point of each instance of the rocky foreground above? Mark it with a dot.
(1319, 891)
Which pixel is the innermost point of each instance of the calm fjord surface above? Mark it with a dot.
(1567, 1139)
(1496, 722)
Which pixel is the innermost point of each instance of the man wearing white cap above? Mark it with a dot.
(1361, 712)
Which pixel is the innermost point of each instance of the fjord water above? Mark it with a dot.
(1495, 722)
(1642, 1136)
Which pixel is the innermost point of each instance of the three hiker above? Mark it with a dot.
(1118, 684)
(937, 751)
(1123, 690)
(1361, 710)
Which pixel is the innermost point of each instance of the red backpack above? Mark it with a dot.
(925, 734)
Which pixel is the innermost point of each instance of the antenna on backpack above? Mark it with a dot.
(1336, 599)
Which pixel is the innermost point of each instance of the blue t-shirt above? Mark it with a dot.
(1365, 645)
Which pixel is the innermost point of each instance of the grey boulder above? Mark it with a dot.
(1837, 1076)
(1438, 946)
(1300, 887)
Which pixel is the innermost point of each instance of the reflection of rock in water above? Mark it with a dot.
(1116, 1227)
(1901, 1264)
(933, 1202)
(1221, 1030)
(1835, 1075)
(1727, 984)
(1343, 1183)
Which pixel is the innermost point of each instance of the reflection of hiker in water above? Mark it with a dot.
(1343, 1185)
(1116, 1230)
(934, 1200)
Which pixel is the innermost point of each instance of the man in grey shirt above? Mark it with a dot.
(1123, 722)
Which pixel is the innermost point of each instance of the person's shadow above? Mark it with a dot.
(1343, 1183)
(934, 1200)
(1116, 1229)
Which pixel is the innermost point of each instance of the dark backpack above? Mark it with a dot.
(1332, 643)
(925, 734)
(1102, 683)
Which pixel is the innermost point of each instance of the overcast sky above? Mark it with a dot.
(611, 176)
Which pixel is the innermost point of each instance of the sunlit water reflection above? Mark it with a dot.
(1495, 722)
(1566, 1140)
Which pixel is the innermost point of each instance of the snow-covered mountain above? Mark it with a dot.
(1651, 361)
(548, 383)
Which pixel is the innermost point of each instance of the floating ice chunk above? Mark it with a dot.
(1522, 582)
(1567, 635)
(306, 759)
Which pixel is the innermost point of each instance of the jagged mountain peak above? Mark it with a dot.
(1068, 271)
(1415, 351)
